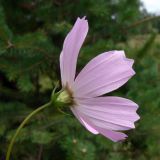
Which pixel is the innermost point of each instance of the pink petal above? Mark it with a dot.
(83, 122)
(103, 74)
(70, 51)
(112, 135)
(106, 115)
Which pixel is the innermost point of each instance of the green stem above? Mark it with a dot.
(22, 125)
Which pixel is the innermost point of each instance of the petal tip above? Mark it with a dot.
(122, 137)
(84, 18)
(137, 117)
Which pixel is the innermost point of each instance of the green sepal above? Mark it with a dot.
(61, 99)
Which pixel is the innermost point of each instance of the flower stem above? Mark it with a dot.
(22, 125)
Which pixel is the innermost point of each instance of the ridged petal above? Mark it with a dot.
(70, 51)
(108, 115)
(112, 135)
(103, 74)
(83, 122)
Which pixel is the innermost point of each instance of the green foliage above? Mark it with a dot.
(31, 38)
(82, 150)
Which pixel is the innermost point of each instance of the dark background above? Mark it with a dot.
(31, 38)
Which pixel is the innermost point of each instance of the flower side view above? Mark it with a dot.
(108, 115)
(108, 71)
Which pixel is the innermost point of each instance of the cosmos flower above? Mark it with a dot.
(105, 115)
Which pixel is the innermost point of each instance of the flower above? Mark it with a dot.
(105, 115)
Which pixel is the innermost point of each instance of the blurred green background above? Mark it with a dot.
(31, 39)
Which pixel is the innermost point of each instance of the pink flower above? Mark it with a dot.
(109, 115)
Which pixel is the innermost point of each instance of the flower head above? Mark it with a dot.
(108, 71)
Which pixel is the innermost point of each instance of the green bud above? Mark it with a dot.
(62, 98)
